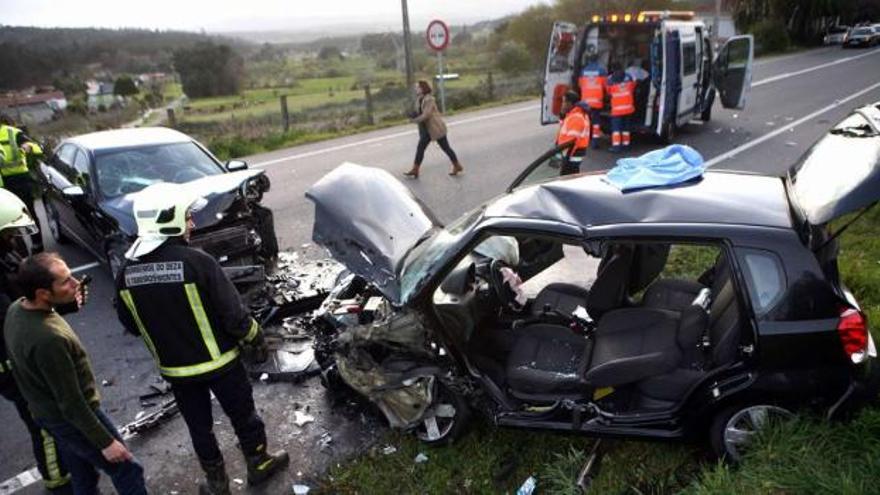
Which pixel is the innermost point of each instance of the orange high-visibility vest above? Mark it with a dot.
(592, 88)
(622, 100)
(575, 127)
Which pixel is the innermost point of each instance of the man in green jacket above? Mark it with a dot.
(53, 372)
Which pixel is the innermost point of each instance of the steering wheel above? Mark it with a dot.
(506, 296)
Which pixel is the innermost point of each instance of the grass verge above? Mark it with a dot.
(807, 455)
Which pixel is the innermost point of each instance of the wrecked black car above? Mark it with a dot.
(89, 181)
(706, 308)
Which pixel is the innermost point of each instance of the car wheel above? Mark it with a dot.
(53, 223)
(115, 255)
(447, 418)
(734, 428)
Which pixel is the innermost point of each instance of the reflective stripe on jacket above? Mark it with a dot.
(190, 316)
(575, 127)
(622, 100)
(14, 159)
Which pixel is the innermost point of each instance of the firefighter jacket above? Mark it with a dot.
(592, 85)
(575, 127)
(191, 317)
(620, 89)
(14, 158)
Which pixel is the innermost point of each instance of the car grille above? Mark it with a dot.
(227, 242)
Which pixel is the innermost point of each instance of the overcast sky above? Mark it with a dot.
(241, 15)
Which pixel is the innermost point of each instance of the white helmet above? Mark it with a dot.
(160, 213)
(14, 215)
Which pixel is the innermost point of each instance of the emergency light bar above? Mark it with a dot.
(646, 16)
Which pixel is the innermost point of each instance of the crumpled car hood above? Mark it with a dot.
(219, 190)
(369, 222)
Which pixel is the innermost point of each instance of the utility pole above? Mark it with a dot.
(407, 51)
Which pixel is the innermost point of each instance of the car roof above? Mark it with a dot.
(127, 138)
(720, 197)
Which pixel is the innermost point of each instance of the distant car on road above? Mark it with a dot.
(835, 35)
(90, 180)
(863, 36)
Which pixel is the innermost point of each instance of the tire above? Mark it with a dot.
(53, 224)
(450, 418)
(733, 427)
(115, 255)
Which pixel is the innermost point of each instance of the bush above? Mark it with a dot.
(770, 36)
(513, 58)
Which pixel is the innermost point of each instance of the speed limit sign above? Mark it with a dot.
(437, 35)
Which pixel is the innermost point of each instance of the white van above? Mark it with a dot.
(673, 48)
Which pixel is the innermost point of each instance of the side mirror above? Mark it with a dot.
(73, 192)
(236, 165)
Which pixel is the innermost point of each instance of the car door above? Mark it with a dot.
(84, 207)
(732, 71)
(687, 98)
(60, 190)
(559, 70)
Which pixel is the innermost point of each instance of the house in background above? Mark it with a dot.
(100, 94)
(30, 108)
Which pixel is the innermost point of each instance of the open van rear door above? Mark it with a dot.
(732, 71)
(559, 70)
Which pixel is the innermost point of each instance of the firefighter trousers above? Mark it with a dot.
(234, 393)
(49, 463)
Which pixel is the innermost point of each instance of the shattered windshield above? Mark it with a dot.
(130, 170)
(427, 257)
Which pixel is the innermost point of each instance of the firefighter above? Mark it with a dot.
(191, 318)
(620, 88)
(592, 85)
(575, 127)
(14, 222)
(17, 149)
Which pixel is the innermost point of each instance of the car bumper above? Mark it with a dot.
(863, 389)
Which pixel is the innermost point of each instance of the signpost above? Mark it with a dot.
(438, 39)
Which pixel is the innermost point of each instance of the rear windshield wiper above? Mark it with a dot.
(863, 130)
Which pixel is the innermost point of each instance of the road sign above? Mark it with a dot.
(437, 35)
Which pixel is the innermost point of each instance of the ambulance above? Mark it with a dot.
(672, 51)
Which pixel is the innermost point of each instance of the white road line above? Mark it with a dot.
(387, 137)
(20, 481)
(771, 135)
(814, 68)
(87, 266)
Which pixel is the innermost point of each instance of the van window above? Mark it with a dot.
(689, 58)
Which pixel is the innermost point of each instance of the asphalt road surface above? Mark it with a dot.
(794, 99)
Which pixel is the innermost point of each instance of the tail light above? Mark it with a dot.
(853, 331)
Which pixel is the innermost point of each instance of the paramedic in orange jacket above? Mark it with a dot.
(592, 85)
(575, 127)
(620, 88)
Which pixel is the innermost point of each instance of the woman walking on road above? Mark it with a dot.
(431, 128)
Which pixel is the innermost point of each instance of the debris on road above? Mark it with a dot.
(390, 449)
(421, 458)
(301, 489)
(325, 440)
(301, 419)
(107, 383)
(146, 421)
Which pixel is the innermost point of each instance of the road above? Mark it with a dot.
(794, 99)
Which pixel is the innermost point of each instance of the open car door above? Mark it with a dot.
(558, 71)
(732, 71)
(840, 174)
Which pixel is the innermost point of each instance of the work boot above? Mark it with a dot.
(216, 481)
(262, 465)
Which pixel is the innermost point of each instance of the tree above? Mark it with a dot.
(531, 29)
(513, 58)
(125, 87)
(208, 69)
(329, 52)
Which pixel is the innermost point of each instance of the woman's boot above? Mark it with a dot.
(456, 168)
(413, 172)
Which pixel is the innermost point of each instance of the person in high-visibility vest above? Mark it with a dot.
(15, 222)
(575, 127)
(592, 85)
(620, 88)
(193, 322)
(17, 149)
